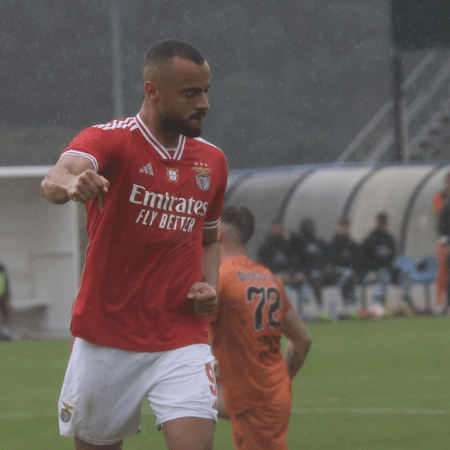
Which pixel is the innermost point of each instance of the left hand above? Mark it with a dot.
(205, 298)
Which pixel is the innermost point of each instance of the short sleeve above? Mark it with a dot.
(95, 144)
(212, 218)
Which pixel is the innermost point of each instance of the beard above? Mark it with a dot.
(175, 124)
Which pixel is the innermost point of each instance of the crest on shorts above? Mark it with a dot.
(66, 412)
(203, 180)
(173, 175)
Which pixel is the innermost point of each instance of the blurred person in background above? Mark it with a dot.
(253, 377)
(438, 201)
(273, 253)
(5, 305)
(444, 240)
(345, 257)
(310, 264)
(377, 255)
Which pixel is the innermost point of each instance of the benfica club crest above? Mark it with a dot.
(203, 181)
(66, 412)
(172, 175)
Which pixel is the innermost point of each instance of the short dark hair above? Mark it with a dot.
(165, 50)
(242, 219)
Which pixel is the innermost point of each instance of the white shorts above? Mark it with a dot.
(103, 389)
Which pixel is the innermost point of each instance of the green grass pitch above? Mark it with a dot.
(375, 385)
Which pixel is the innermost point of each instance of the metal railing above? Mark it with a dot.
(422, 99)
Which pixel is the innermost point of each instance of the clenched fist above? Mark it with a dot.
(86, 186)
(205, 298)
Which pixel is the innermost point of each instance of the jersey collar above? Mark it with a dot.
(162, 151)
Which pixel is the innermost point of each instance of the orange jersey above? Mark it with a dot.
(246, 332)
(438, 201)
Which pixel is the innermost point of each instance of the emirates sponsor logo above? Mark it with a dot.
(166, 211)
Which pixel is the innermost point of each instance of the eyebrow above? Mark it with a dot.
(195, 89)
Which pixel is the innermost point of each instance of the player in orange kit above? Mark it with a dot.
(438, 200)
(254, 379)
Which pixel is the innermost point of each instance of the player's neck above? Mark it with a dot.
(231, 252)
(168, 140)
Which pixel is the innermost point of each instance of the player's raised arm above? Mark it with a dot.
(73, 178)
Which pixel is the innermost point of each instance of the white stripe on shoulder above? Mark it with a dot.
(211, 225)
(85, 155)
(129, 122)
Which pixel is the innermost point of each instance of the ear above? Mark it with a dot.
(151, 90)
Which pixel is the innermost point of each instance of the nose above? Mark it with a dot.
(203, 103)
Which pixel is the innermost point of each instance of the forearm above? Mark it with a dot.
(55, 186)
(295, 357)
(210, 264)
(73, 178)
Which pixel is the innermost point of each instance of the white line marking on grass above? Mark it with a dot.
(43, 415)
(26, 415)
(405, 412)
(423, 412)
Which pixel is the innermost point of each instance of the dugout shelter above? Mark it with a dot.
(39, 245)
(357, 191)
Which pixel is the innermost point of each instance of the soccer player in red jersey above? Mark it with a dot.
(153, 192)
(253, 377)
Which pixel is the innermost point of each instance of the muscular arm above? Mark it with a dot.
(73, 178)
(211, 258)
(299, 342)
(204, 293)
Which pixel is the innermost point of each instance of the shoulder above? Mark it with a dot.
(228, 280)
(127, 124)
(228, 268)
(206, 144)
(231, 269)
(113, 132)
(210, 158)
(117, 129)
(274, 278)
(207, 148)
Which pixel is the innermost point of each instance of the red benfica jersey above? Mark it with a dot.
(246, 333)
(145, 246)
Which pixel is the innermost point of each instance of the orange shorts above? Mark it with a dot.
(262, 428)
